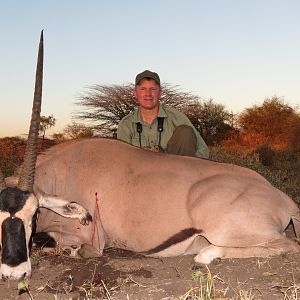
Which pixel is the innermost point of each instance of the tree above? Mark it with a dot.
(274, 122)
(11, 154)
(212, 120)
(105, 106)
(46, 123)
(58, 137)
(78, 131)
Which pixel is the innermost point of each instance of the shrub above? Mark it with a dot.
(12, 151)
(283, 174)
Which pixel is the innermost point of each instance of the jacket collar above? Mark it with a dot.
(137, 115)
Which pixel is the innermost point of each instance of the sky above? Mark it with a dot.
(236, 52)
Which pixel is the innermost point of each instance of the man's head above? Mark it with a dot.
(147, 90)
(147, 75)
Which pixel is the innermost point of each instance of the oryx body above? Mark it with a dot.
(164, 205)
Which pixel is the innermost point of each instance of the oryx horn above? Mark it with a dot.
(26, 178)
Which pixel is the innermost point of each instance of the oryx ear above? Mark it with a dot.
(26, 179)
(63, 207)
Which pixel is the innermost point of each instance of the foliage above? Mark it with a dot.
(77, 131)
(205, 289)
(283, 173)
(58, 137)
(276, 123)
(266, 155)
(12, 151)
(105, 106)
(294, 140)
(11, 154)
(212, 120)
(46, 123)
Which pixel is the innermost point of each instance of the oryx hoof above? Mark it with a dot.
(208, 254)
(88, 251)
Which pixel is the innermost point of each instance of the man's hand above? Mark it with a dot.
(154, 149)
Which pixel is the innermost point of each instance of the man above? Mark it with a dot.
(153, 125)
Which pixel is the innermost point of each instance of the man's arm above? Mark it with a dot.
(123, 132)
(202, 149)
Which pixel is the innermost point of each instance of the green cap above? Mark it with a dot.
(147, 74)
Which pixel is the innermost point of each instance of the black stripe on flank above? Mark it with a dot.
(175, 239)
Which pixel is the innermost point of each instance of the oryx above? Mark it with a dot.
(158, 204)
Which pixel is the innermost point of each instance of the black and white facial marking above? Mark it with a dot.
(18, 213)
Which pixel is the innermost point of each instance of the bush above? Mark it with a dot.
(283, 174)
(12, 151)
(266, 155)
(11, 154)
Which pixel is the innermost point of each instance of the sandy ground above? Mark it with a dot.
(124, 275)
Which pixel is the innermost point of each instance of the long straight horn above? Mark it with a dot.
(26, 179)
(2, 182)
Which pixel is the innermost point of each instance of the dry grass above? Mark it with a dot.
(204, 289)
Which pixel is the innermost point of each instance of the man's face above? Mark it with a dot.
(147, 94)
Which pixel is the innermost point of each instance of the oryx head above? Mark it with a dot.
(18, 205)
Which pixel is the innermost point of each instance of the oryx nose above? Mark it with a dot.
(14, 276)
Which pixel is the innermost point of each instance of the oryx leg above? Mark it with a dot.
(271, 248)
(199, 243)
(296, 225)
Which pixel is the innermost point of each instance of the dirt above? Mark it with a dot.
(125, 275)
